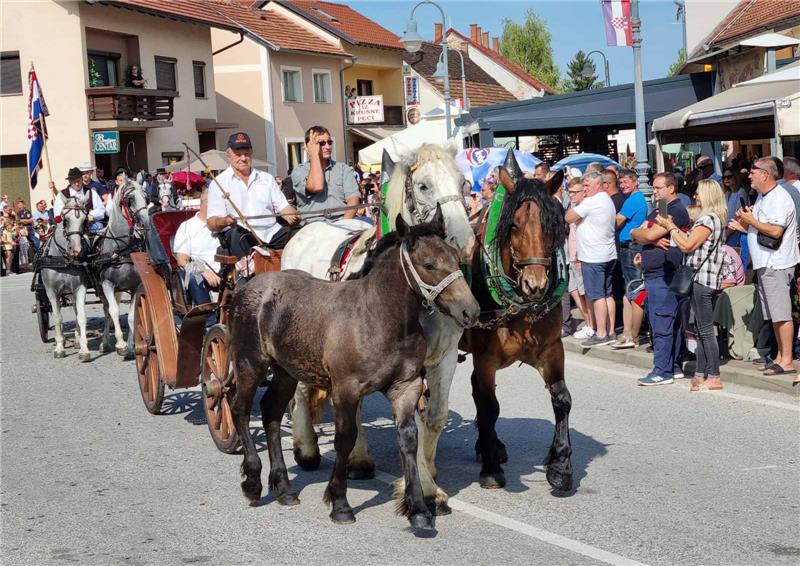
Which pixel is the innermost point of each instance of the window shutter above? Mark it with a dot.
(199, 79)
(165, 74)
(10, 75)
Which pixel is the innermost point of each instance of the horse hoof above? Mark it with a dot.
(289, 499)
(85, 357)
(421, 521)
(251, 491)
(308, 464)
(104, 348)
(361, 472)
(59, 355)
(558, 479)
(492, 480)
(343, 517)
(122, 351)
(442, 509)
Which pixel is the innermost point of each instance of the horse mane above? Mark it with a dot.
(551, 213)
(393, 240)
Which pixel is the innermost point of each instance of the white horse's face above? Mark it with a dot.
(437, 181)
(135, 200)
(73, 216)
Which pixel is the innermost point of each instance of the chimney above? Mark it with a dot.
(485, 39)
(473, 32)
(496, 44)
(437, 33)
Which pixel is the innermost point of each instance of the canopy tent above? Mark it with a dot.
(217, 161)
(582, 160)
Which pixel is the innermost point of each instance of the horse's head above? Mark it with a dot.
(73, 219)
(132, 200)
(428, 178)
(530, 229)
(435, 266)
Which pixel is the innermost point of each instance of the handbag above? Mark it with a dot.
(683, 279)
(769, 241)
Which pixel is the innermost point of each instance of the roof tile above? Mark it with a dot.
(350, 22)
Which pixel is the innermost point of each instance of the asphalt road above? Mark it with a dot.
(663, 476)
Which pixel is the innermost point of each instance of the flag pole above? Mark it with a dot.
(47, 154)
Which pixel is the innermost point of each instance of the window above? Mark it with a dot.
(295, 152)
(103, 68)
(170, 157)
(199, 68)
(364, 87)
(10, 75)
(322, 86)
(166, 78)
(292, 84)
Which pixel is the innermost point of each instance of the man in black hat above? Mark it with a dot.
(94, 205)
(255, 193)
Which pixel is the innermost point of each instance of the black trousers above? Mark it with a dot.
(239, 241)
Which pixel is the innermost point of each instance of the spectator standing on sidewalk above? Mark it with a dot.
(632, 215)
(659, 261)
(703, 246)
(773, 216)
(576, 287)
(597, 253)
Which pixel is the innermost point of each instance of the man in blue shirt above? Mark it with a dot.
(632, 215)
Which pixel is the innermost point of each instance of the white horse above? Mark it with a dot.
(427, 177)
(62, 273)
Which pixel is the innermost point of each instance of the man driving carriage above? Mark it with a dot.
(256, 194)
(94, 204)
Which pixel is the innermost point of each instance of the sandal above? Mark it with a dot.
(697, 384)
(713, 384)
(775, 369)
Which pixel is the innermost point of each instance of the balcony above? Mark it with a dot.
(129, 108)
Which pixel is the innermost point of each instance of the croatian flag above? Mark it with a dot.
(37, 131)
(617, 16)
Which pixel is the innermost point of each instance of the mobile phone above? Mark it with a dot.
(662, 208)
(742, 202)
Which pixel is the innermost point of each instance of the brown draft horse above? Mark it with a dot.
(530, 229)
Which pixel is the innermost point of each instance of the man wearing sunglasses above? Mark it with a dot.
(322, 183)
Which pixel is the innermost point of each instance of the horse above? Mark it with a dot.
(62, 272)
(523, 325)
(167, 195)
(355, 337)
(128, 217)
(423, 179)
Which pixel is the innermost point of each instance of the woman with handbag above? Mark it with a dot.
(700, 276)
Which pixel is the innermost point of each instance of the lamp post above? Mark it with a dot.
(587, 70)
(642, 164)
(412, 41)
(442, 71)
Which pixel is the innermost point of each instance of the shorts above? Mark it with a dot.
(774, 291)
(629, 271)
(575, 279)
(597, 279)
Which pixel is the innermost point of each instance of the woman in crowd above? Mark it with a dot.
(704, 254)
(135, 78)
(8, 242)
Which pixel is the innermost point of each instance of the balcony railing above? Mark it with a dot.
(120, 103)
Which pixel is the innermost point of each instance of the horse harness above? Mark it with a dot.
(422, 213)
(428, 292)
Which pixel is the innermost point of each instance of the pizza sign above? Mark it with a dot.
(365, 109)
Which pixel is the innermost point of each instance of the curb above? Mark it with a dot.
(731, 371)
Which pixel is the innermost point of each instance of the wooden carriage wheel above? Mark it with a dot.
(218, 387)
(147, 367)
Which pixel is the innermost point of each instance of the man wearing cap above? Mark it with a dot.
(255, 193)
(95, 210)
(322, 183)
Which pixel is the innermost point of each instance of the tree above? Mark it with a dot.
(576, 80)
(529, 46)
(676, 66)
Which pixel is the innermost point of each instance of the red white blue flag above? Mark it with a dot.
(617, 16)
(37, 130)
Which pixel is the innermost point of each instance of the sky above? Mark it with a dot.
(574, 25)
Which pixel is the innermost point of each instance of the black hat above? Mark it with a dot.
(122, 169)
(74, 173)
(160, 170)
(239, 140)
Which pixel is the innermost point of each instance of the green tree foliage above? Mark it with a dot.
(676, 66)
(575, 77)
(529, 46)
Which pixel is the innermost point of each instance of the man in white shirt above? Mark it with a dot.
(94, 205)
(775, 217)
(597, 253)
(194, 248)
(256, 194)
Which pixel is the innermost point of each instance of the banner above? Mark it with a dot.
(477, 163)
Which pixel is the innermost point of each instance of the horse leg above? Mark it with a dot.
(345, 407)
(113, 310)
(80, 316)
(487, 411)
(273, 406)
(248, 376)
(55, 302)
(403, 398)
(304, 438)
(360, 466)
(558, 462)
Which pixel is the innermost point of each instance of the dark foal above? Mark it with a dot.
(530, 229)
(353, 338)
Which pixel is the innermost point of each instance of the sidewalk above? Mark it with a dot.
(733, 371)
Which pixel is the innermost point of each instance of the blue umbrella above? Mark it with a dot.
(581, 160)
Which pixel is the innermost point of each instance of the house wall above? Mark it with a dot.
(702, 16)
(388, 82)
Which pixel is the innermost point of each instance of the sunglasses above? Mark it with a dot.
(754, 168)
(575, 192)
(727, 176)
(326, 142)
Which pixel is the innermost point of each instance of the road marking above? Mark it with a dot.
(758, 468)
(482, 514)
(767, 402)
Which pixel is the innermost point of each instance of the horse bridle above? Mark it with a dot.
(77, 210)
(130, 214)
(423, 213)
(428, 292)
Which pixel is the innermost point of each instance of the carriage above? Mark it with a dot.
(172, 346)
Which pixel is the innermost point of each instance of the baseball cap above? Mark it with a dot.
(239, 140)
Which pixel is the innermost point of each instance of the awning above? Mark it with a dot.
(767, 40)
(374, 133)
(209, 124)
(746, 111)
(406, 141)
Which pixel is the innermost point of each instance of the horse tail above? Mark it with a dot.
(316, 403)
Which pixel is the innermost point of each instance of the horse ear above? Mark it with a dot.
(438, 221)
(387, 165)
(85, 198)
(512, 166)
(400, 226)
(509, 182)
(554, 183)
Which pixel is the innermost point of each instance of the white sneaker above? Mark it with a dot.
(584, 333)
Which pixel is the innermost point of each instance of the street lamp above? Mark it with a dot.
(412, 41)
(441, 72)
(642, 164)
(587, 70)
